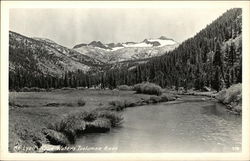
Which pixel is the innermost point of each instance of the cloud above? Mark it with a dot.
(71, 26)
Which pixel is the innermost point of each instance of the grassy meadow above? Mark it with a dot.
(38, 120)
(57, 117)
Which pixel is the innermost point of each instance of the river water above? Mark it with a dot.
(191, 124)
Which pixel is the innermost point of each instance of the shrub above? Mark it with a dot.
(115, 118)
(55, 104)
(232, 94)
(67, 88)
(118, 104)
(232, 97)
(50, 89)
(55, 138)
(165, 98)
(25, 89)
(81, 102)
(74, 124)
(124, 88)
(32, 89)
(155, 99)
(70, 126)
(98, 125)
(80, 88)
(131, 103)
(148, 88)
(16, 105)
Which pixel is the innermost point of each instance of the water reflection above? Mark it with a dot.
(192, 125)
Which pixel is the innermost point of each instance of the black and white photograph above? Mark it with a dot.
(103, 79)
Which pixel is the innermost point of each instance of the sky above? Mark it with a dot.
(69, 27)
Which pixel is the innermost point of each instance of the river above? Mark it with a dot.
(191, 124)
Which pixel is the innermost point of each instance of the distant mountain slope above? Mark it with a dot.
(212, 58)
(43, 56)
(111, 53)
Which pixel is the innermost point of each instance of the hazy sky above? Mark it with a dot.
(69, 27)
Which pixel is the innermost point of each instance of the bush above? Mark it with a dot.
(114, 118)
(67, 88)
(25, 89)
(165, 98)
(55, 138)
(50, 89)
(155, 99)
(32, 89)
(148, 88)
(55, 104)
(130, 103)
(81, 102)
(98, 125)
(118, 104)
(78, 123)
(70, 126)
(16, 105)
(80, 88)
(232, 97)
(232, 94)
(124, 88)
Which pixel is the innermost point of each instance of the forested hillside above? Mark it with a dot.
(213, 58)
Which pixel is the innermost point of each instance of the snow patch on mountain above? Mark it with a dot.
(138, 45)
(163, 42)
(116, 52)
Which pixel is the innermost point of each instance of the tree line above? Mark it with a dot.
(212, 58)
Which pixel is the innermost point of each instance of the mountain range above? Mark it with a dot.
(211, 58)
(44, 56)
(117, 52)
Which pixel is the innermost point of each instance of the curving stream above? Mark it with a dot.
(189, 125)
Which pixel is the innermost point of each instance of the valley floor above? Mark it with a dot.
(30, 113)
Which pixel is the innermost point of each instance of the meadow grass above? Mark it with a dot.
(76, 124)
(50, 117)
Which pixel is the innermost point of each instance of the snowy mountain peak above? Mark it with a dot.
(116, 52)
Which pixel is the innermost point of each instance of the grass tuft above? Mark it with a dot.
(79, 123)
(115, 118)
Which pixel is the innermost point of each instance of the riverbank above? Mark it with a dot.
(230, 97)
(39, 121)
